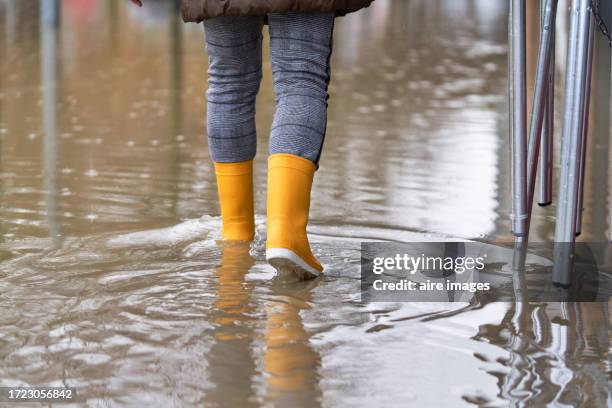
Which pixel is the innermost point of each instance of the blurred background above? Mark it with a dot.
(102, 121)
(111, 273)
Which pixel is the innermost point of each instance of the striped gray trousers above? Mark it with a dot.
(300, 49)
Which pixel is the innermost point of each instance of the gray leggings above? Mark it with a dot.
(300, 49)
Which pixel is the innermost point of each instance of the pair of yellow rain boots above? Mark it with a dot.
(289, 185)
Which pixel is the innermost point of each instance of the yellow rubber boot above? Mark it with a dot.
(289, 184)
(235, 187)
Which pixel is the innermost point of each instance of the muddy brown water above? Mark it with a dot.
(112, 278)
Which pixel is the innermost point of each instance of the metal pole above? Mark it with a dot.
(546, 149)
(540, 96)
(50, 12)
(517, 91)
(49, 35)
(565, 231)
(585, 127)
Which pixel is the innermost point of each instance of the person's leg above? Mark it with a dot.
(234, 75)
(300, 49)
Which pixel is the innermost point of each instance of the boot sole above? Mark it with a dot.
(285, 260)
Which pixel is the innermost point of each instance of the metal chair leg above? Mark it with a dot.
(546, 149)
(573, 121)
(540, 97)
(585, 127)
(518, 115)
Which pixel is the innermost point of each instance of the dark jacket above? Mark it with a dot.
(198, 10)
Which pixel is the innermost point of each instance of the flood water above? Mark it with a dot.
(112, 278)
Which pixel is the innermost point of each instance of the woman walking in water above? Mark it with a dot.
(301, 34)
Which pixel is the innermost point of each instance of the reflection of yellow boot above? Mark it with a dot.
(289, 183)
(232, 306)
(290, 362)
(235, 186)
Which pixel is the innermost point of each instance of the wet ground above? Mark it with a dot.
(112, 279)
